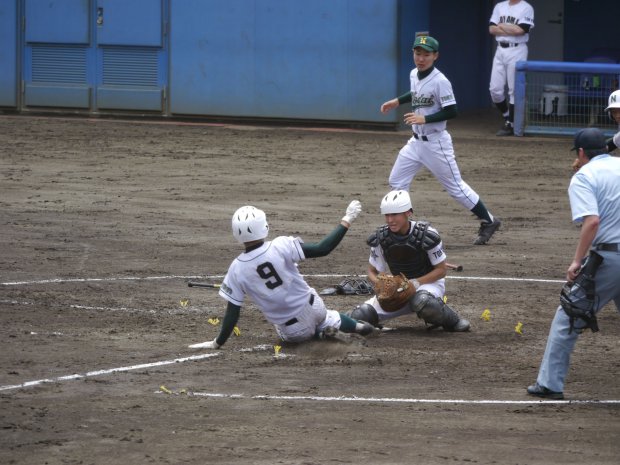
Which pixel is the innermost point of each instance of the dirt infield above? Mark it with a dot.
(104, 222)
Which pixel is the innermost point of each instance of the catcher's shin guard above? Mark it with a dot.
(365, 312)
(436, 313)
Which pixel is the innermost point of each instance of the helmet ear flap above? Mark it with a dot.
(249, 224)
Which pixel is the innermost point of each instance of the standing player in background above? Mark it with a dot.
(433, 103)
(510, 23)
(268, 273)
(593, 275)
(613, 110)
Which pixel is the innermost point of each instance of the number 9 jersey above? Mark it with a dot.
(270, 277)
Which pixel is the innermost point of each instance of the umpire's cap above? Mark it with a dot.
(428, 43)
(589, 139)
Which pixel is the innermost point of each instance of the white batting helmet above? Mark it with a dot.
(614, 100)
(396, 202)
(249, 224)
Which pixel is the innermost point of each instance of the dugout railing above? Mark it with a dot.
(559, 98)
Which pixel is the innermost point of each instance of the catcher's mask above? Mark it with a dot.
(396, 202)
(249, 224)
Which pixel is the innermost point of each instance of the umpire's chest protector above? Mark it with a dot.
(406, 254)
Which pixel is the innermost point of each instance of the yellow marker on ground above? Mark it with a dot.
(486, 315)
(237, 331)
(277, 350)
(445, 299)
(163, 388)
(519, 328)
(184, 302)
(213, 321)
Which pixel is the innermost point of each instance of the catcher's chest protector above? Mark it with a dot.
(407, 254)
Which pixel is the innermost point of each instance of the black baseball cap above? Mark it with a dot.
(589, 139)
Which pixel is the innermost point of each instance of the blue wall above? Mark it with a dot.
(8, 53)
(324, 59)
(591, 28)
(319, 60)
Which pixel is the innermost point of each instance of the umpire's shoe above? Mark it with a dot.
(486, 231)
(541, 391)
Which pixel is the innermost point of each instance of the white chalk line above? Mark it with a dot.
(92, 374)
(154, 278)
(388, 400)
(263, 347)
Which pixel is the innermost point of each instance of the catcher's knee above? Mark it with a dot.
(365, 312)
(433, 310)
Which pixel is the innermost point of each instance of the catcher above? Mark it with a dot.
(407, 267)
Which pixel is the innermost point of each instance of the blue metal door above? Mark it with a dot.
(95, 55)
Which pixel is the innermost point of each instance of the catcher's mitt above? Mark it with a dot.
(393, 292)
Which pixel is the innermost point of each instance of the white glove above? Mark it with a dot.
(206, 345)
(353, 211)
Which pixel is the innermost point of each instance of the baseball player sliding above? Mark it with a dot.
(510, 23)
(267, 272)
(433, 103)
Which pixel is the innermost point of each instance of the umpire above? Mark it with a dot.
(593, 276)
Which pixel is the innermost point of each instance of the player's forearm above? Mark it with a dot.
(511, 29)
(228, 325)
(444, 114)
(372, 274)
(327, 244)
(405, 98)
(438, 272)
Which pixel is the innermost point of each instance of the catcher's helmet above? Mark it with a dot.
(614, 102)
(249, 224)
(396, 202)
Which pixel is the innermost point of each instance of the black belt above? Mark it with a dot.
(507, 44)
(607, 247)
(424, 138)
(294, 320)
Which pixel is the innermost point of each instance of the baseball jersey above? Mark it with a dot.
(595, 190)
(519, 13)
(428, 96)
(269, 275)
(377, 258)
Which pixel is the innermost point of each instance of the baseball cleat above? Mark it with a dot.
(541, 391)
(486, 231)
(506, 130)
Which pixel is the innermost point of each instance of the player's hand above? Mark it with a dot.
(206, 345)
(413, 118)
(389, 105)
(353, 211)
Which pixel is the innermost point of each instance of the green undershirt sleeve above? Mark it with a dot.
(405, 98)
(230, 321)
(327, 244)
(445, 113)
